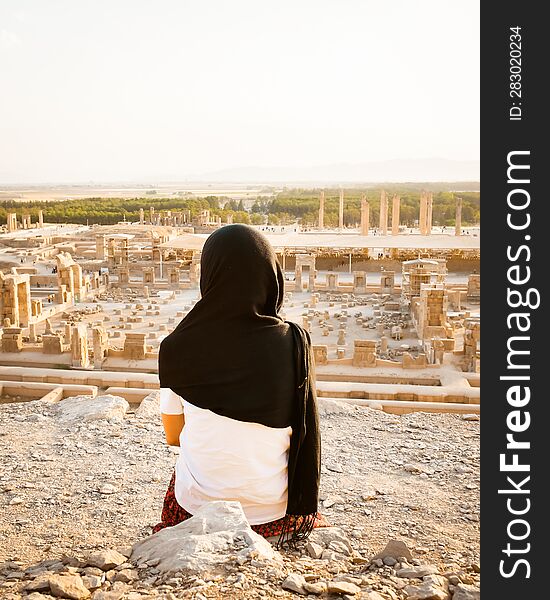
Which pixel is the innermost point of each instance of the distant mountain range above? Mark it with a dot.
(429, 169)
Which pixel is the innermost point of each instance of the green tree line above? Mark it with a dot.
(288, 206)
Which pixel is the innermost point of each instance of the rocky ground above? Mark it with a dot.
(76, 495)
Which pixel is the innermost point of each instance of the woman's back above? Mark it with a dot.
(225, 459)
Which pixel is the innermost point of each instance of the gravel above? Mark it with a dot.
(70, 490)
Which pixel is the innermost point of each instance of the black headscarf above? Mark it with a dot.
(234, 355)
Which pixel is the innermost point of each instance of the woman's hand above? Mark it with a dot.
(173, 425)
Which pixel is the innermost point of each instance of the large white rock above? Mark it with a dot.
(328, 406)
(150, 406)
(205, 542)
(86, 408)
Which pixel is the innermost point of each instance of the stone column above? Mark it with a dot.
(298, 280)
(79, 346)
(341, 210)
(77, 280)
(195, 270)
(24, 305)
(322, 210)
(395, 215)
(332, 281)
(429, 214)
(151, 215)
(101, 252)
(12, 222)
(149, 275)
(387, 282)
(40, 219)
(458, 218)
(312, 276)
(359, 282)
(474, 287)
(423, 213)
(141, 216)
(383, 213)
(364, 216)
(100, 344)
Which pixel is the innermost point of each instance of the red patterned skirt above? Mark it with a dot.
(173, 513)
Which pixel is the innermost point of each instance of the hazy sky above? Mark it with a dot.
(111, 90)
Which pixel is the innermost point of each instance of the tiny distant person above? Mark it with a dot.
(238, 395)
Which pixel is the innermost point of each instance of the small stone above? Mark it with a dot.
(317, 588)
(92, 571)
(106, 559)
(40, 584)
(342, 587)
(417, 571)
(410, 468)
(92, 582)
(466, 592)
(295, 583)
(126, 575)
(68, 586)
(314, 550)
(396, 549)
(389, 561)
(368, 495)
(426, 591)
(125, 551)
(470, 417)
(325, 535)
(437, 580)
(37, 596)
(108, 488)
(16, 500)
(350, 579)
(340, 547)
(372, 596)
(108, 594)
(378, 562)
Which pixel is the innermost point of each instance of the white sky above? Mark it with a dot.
(111, 90)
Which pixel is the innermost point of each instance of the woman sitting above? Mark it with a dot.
(238, 395)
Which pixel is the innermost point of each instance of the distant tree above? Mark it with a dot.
(241, 216)
(256, 219)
